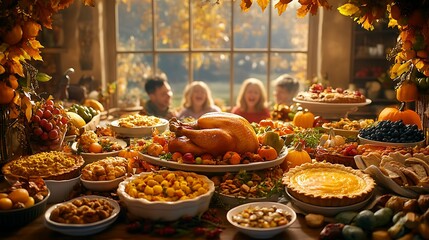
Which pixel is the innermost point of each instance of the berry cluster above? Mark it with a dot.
(48, 124)
(392, 131)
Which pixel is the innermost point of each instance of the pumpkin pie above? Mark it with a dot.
(52, 165)
(328, 185)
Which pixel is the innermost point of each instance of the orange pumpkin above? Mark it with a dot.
(395, 114)
(407, 92)
(296, 157)
(128, 153)
(304, 119)
(268, 153)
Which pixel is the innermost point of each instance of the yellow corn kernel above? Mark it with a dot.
(148, 190)
(157, 189)
(170, 192)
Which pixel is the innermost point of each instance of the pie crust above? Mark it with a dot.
(52, 165)
(328, 185)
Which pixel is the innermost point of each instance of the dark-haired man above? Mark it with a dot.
(160, 94)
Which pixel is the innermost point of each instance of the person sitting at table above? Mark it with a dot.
(285, 89)
(252, 101)
(160, 94)
(197, 100)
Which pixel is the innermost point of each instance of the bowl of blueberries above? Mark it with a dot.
(392, 133)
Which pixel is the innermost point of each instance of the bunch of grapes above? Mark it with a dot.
(48, 125)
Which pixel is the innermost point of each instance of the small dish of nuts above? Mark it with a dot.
(261, 220)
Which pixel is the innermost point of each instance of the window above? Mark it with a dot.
(216, 43)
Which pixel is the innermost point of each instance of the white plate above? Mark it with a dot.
(91, 157)
(378, 143)
(138, 131)
(331, 110)
(326, 211)
(260, 233)
(387, 182)
(214, 168)
(82, 229)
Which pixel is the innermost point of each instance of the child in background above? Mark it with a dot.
(286, 88)
(197, 100)
(252, 101)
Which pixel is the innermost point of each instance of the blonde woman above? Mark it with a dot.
(197, 100)
(252, 101)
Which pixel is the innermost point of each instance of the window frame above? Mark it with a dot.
(109, 73)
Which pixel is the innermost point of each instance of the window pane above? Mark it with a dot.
(175, 66)
(172, 24)
(294, 64)
(288, 30)
(134, 25)
(214, 69)
(211, 25)
(131, 72)
(249, 65)
(250, 28)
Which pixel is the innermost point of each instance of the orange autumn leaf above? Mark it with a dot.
(348, 9)
(16, 67)
(312, 7)
(35, 44)
(281, 6)
(89, 3)
(13, 106)
(303, 10)
(366, 22)
(26, 107)
(245, 5)
(31, 51)
(15, 52)
(263, 4)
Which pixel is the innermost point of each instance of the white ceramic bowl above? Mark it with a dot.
(378, 143)
(165, 211)
(102, 186)
(138, 131)
(82, 229)
(60, 189)
(260, 233)
(92, 157)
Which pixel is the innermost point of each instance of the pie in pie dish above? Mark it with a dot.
(52, 165)
(319, 93)
(328, 185)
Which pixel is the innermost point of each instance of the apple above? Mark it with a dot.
(188, 158)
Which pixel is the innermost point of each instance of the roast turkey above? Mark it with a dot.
(214, 133)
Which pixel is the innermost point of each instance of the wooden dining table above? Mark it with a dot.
(118, 231)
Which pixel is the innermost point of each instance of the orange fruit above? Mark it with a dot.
(19, 195)
(95, 148)
(30, 29)
(13, 82)
(5, 203)
(13, 36)
(6, 93)
(30, 202)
